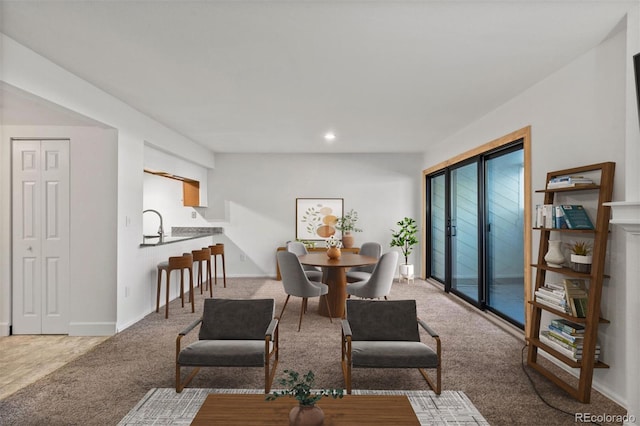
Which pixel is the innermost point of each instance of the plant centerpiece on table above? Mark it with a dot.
(581, 257)
(306, 412)
(406, 239)
(347, 224)
(333, 247)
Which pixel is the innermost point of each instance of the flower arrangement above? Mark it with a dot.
(300, 389)
(332, 242)
(347, 223)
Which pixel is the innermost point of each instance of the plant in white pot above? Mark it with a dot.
(406, 239)
(581, 257)
(347, 224)
(306, 412)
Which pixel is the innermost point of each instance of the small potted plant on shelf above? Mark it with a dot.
(581, 257)
(347, 224)
(406, 239)
(306, 412)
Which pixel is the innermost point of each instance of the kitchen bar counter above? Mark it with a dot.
(180, 234)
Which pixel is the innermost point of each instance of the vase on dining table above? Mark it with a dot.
(334, 252)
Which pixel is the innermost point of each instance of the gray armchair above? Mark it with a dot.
(385, 334)
(363, 273)
(233, 333)
(297, 248)
(381, 279)
(296, 283)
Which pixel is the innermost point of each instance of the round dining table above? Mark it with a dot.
(334, 274)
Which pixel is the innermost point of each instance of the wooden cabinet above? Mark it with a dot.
(599, 193)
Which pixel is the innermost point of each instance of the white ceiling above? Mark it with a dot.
(273, 76)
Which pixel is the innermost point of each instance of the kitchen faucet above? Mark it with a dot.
(160, 229)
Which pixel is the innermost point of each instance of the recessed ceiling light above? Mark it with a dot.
(329, 136)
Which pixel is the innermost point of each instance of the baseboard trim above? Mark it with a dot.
(92, 328)
(4, 328)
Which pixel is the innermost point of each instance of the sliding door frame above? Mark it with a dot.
(523, 134)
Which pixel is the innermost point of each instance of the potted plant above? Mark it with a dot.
(581, 258)
(347, 224)
(306, 412)
(406, 239)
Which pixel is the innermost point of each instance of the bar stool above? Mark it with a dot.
(218, 250)
(202, 258)
(176, 263)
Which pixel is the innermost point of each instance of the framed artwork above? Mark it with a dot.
(316, 218)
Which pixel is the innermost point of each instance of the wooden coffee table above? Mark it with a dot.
(252, 409)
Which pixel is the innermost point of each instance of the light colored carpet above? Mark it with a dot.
(164, 406)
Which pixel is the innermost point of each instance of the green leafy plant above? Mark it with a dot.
(300, 388)
(580, 248)
(347, 223)
(405, 237)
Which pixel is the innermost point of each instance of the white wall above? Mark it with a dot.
(92, 290)
(577, 116)
(254, 198)
(125, 295)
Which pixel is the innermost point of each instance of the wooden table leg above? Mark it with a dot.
(336, 279)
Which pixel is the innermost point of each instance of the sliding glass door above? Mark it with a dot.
(438, 228)
(463, 231)
(504, 234)
(475, 227)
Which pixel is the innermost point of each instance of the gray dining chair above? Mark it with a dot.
(380, 281)
(312, 272)
(296, 283)
(361, 273)
(385, 334)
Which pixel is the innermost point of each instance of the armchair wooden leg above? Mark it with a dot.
(435, 386)
(346, 363)
(182, 385)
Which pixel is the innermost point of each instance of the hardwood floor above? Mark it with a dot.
(27, 358)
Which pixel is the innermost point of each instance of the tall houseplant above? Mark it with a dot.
(347, 224)
(406, 239)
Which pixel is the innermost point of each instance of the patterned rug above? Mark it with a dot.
(162, 406)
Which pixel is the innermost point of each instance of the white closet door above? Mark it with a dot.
(40, 226)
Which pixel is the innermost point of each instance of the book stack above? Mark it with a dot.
(576, 294)
(545, 216)
(553, 296)
(566, 216)
(566, 337)
(568, 182)
(576, 217)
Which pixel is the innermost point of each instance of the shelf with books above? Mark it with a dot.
(565, 315)
(572, 189)
(582, 231)
(560, 200)
(564, 358)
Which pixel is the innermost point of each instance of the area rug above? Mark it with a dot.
(163, 406)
